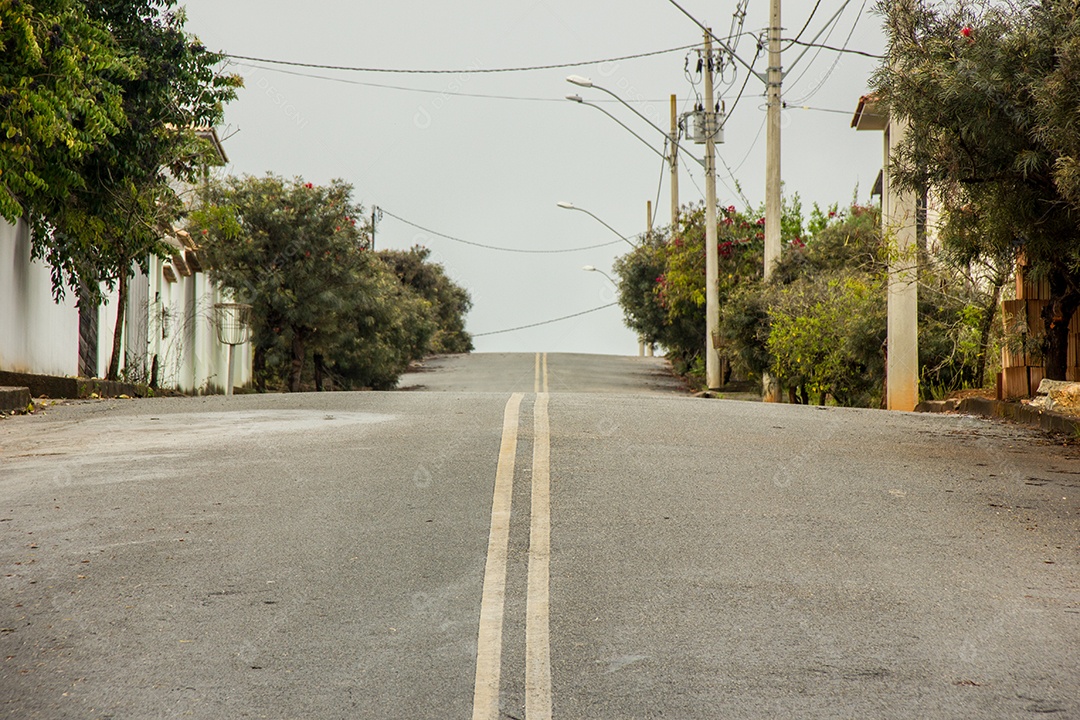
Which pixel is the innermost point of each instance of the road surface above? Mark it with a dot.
(512, 544)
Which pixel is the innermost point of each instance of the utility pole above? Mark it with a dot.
(773, 204)
(376, 214)
(674, 165)
(712, 257)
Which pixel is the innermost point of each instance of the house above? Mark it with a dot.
(169, 336)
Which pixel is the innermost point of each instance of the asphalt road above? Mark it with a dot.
(610, 548)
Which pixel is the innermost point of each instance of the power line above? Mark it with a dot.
(494, 247)
(805, 25)
(464, 71)
(793, 106)
(846, 50)
(545, 322)
(429, 91)
(836, 60)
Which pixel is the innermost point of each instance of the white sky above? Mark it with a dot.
(491, 170)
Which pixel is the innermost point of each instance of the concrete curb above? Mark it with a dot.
(14, 399)
(1017, 412)
(66, 387)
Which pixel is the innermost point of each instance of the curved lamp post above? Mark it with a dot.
(587, 83)
(571, 206)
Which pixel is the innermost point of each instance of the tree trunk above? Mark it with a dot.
(258, 368)
(1057, 315)
(118, 332)
(986, 325)
(299, 355)
(318, 358)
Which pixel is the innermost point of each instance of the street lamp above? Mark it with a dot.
(578, 99)
(592, 268)
(571, 206)
(642, 345)
(587, 83)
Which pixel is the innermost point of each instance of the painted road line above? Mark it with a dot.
(545, 374)
(489, 640)
(537, 606)
(536, 375)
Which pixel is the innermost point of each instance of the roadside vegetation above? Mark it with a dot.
(819, 324)
(101, 105)
(989, 92)
(327, 312)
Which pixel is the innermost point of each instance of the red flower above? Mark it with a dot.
(761, 221)
(731, 209)
(966, 32)
(308, 185)
(832, 214)
(798, 243)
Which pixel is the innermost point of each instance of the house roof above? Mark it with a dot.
(870, 115)
(210, 134)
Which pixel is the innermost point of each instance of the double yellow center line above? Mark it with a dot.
(537, 643)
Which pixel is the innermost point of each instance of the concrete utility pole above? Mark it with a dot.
(674, 164)
(773, 205)
(712, 256)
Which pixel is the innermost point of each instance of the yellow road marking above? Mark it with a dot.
(537, 607)
(536, 375)
(489, 641)
(545, 374)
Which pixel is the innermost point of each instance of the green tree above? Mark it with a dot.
(294, 251)
(102, 100)
(449, 301)
(989, 93)
(61, 98)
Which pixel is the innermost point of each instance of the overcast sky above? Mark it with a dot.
(490, 170)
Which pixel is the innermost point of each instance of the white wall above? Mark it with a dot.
(183, 336)
(36, 334)
(174, 321)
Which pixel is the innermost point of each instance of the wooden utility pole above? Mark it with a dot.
(712, 256)
(674, 165)
(773, 204)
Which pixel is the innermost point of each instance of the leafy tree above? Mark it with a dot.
(825, 337)
(61, 98)
(293, 250)
(450, 302)
(989, 93)
(818, 277)
(122, 86)
(298, 254)
(638, 272)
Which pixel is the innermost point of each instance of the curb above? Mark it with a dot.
(68, 387)
(14, 400)
(1018, 412)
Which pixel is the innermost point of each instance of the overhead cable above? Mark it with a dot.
(461, 71)
(495, 247)
(545, 322)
